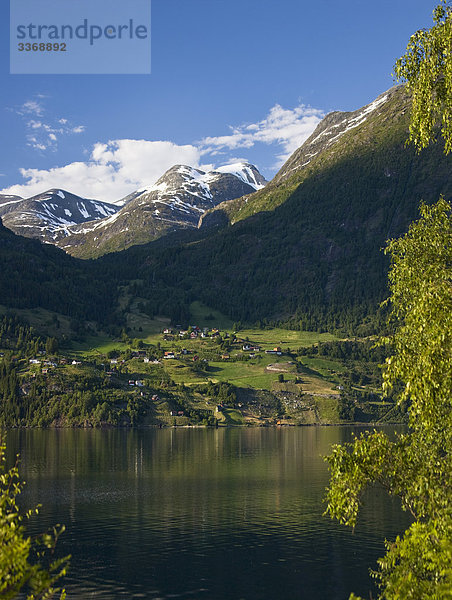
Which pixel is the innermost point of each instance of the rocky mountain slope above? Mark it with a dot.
(176, 201)
(8, 199)
(339, 137)
(48, 216)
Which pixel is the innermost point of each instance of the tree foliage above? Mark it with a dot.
(427, 68)
(26, 564)
(417, 466)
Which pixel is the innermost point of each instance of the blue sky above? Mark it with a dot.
(236, 79)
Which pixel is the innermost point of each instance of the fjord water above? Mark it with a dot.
(195, 513)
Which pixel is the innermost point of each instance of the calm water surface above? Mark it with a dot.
(224, 514)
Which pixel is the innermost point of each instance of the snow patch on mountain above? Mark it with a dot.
(350, 123)
(244, 171)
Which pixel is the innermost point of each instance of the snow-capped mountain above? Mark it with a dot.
(182, 179)
(47, 216)
(188, 190)
(176, 201)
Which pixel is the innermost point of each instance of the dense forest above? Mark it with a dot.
(35, 275)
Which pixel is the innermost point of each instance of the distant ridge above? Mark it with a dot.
(49, 215)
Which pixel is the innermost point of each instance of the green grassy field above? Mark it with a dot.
(269, 338)
(324, 368)
(183, 373)
(250, 373)
(45, 322)
(95, 345)
(203, 316)
(233, 417)
(327, 409)
(245, 374)
(142, 327)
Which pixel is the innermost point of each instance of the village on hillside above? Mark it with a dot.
(186, 377)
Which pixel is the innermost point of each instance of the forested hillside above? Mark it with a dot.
(35, 275)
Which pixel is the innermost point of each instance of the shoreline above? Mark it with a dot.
(220, 426)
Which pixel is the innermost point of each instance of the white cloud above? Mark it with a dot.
(119, 167)
(43, 134)
(287, 128)
(31, 107)
(114, 170)
(34, 124)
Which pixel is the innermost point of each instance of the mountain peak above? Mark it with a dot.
(330, 129)
(176, 201)
(47, 216)
(244, 171)
(339, 137)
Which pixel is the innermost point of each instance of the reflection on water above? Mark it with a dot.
(192, 513)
